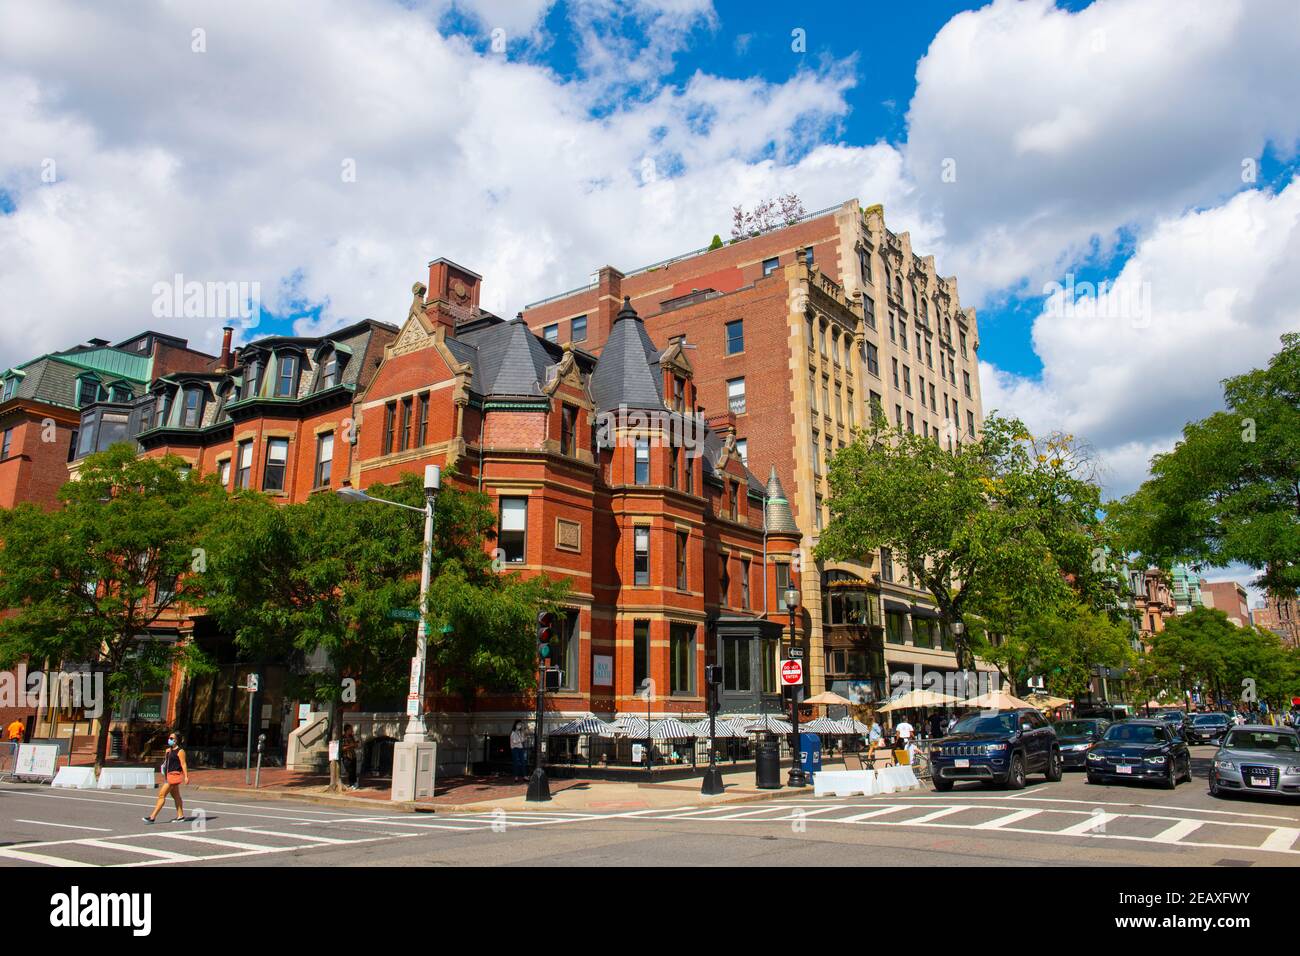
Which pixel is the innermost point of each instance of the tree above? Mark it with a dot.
(324, 577)
(1230, 490)
(1063, 646)
(767, 215)
(1008, 522)
(88, 580)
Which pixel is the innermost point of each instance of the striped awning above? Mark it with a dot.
(670, 728)
(723, 727)
(630, 726)
(824, 725)
(767, 722)
(589, 726)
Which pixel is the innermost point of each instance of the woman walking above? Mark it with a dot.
(175, 772)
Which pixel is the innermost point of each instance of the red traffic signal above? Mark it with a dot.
(545, 633)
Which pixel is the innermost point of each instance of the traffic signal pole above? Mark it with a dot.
(539, 790)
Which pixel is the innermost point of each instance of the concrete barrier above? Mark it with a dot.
(126, 778)
(75, 778)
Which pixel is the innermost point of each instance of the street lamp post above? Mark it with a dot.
(796, 778)
(413, 755)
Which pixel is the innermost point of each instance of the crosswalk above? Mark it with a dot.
(1219, 831)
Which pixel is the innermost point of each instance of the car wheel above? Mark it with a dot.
(1171, 778)
(1093, 778)
(1016, 775)
(940, 784)
(1215, 789)
(1187, 770)
(1054, 771)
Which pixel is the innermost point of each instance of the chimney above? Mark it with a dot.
(223, 364)
(609, 300)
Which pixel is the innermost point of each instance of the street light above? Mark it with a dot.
(796, 772)
(413, 755)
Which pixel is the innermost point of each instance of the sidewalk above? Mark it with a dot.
(480, 794)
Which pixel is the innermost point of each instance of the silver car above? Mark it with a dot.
(1257, 759)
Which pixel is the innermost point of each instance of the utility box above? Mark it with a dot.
(414, 764)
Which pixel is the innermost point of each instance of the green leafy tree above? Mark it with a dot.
(86, 581)
(1064, 647)
(323, 578)
(1009, 521)
(1230, 490)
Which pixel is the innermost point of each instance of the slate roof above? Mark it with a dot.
(627, 373)
(508, 359)
(779, 516)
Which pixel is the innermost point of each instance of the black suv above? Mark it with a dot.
(1207, 728)
(997, 749)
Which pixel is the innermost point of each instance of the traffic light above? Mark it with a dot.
(545, 633)
(713, 674)
(554, 678)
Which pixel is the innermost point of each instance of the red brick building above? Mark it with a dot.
(800, 332)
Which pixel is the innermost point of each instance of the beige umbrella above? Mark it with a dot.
(1048, 702)
(1000, 699)
(828, 697)
(918, 698)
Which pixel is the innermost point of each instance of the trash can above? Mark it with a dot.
(810, 754)
(767, 763)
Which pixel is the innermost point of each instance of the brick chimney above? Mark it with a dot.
(609, 300)
(223, 363)
(453, 294)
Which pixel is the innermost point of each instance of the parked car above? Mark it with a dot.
(1257, 759)
(1140, 750)
(996, 749)
(1207, 728)
(1106, 712)
(1076, 738)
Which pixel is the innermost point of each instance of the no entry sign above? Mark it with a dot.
(791, 672)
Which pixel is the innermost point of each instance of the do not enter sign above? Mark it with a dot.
(791, 673)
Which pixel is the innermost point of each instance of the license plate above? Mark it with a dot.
(1123, 769)
(960, 762)
(1260, 782)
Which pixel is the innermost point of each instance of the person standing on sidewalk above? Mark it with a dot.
(518, 751)
(349, 748)
(16, 730)
(175, 772)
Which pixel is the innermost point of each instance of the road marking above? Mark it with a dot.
(28, 857)
(933, 815)
(1179, 830)
(1003, 821)
(857, 817)
(68, 826)
(1280, 839)
(1094, 820)
(316, 837)
(232, 844)
(124, 847)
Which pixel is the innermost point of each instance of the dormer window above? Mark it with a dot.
(193, 407)
(286, 379)
(10, 387)
(329, 372)
(252, 379)
(87, 390)
(121, 393)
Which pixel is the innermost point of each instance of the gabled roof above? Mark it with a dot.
(507, 358)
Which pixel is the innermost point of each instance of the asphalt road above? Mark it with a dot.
(1070, 823)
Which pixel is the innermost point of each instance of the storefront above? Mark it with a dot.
(748, 649)
(852, 638)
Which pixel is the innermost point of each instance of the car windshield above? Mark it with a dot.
(1209, 719)
(982, 724)
(1075, 728)
(1136, 734)
(1170, 716)
(1263, 740)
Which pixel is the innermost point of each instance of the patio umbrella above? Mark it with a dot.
(629, 726)
(828, 697)
(589, 726)
(670, 728)
(1048, 702)
(1000, 699)
(824, 725)
(773, 725)
(914, 699)
(722, 728)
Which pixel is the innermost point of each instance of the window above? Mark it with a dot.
(735, 337)
(770, 265)
(736, 395)
(252, 378)
(911, 423)
(733, 499)
(852, 415)
(872, 356)
(902, 332)
(810, 257)
(839, 402)
(390, 424)
(244, 473)
(568, 429)
(641, 475)
(894, 628)
(406, 424)
(965, 383)
(690, 471)
(223, 472)
(324, 459)
(674, 454)
(193, 408)
(819, 512)
(894, 368)
(767, 665)
(970, 422)
(72, 445)
(869, 309)
(578, 328)
(277, 456)
(907, 380)
(736, 665)
(87, 391)
(898, 415)
(551, 333)
(513, 535)
(422, 438)
(329, 373)
(641, 556)
(922, 632)
(816, 449)
(11, 386)
(744, 583)
(876, 408)
(822, 338)
(886, 565)
(681, 650)
(812, 390)
(683, 542)
(962, 337)
(6, 443)
(724, 579)
(782, 583)
(640, 652)
(742, 449)
(286, 379)
(679, 393)
(934, 407)
(893, 334)
(826, 398)
(929, 353)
